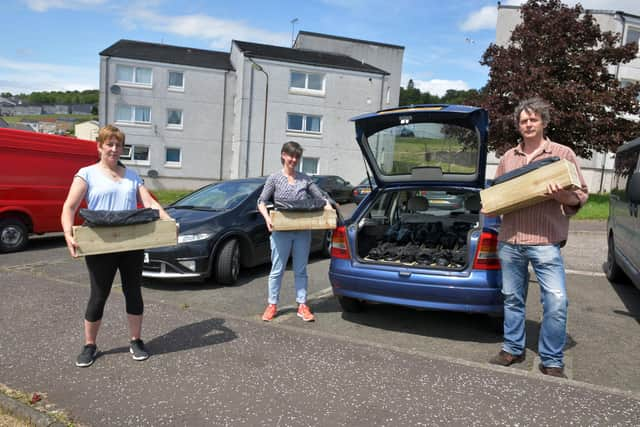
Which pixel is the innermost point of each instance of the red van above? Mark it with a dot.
(36, 171)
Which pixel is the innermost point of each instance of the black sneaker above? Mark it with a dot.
(87, 356)
(138, 350)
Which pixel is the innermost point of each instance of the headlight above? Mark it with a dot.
(186, 238)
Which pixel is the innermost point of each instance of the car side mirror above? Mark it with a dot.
(634, 188)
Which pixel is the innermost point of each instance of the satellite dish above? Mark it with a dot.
(152, 173)
(115, 89)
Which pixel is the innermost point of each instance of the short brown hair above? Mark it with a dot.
(291, 148)
(533, 105)
(107, 132)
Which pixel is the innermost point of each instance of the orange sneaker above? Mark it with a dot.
(304, 312)
(269, 313)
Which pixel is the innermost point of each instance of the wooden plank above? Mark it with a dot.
(325, 219)
(528, 189)
(102, 240)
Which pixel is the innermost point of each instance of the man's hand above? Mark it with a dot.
(560, 195)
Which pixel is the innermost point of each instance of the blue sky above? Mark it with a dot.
(54, 44)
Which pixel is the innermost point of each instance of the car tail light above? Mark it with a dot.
(339, 246)
(487, 254)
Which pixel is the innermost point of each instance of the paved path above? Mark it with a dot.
(216, 369)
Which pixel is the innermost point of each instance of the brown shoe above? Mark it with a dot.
(505, 358)
(270, 313)
(552, 371)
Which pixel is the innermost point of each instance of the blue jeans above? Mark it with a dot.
(548, 266)
(284, 243)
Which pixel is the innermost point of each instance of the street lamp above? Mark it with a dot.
(257, 66)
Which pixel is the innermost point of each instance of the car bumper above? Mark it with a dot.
(176, 262)
(478, 292)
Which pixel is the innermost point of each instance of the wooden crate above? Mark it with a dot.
(528, 189)
(102, 240)
(325, 219)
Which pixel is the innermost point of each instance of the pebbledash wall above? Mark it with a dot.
(598, 170)
(195, 116)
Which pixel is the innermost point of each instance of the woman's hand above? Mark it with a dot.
(72, 245)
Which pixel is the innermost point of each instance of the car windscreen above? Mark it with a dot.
(447, 147)
(225, 195)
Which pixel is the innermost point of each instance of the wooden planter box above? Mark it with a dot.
(528, 189)
(102, 240)
(325, 219)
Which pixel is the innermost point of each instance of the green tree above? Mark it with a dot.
(560, 53)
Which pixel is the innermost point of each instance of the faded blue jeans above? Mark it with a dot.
(284, 243)
(548, 266)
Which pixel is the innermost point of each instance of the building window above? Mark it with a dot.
(633, 36)
(308, 165)
(133, 75)
(307, 82)
(173, 157)
(304, 123)
(135, 154)
(625, 83)
(174, 119)
(133, 114)
(176, 80)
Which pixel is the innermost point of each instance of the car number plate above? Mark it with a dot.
(146, 258)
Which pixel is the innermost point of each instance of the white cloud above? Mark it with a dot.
(483, 19)
(44, 5)
(26, 77)
(437, 86)
(218, 32)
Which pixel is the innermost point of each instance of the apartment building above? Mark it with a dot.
(597, 170)
(193, 116)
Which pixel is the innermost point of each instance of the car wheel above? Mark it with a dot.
(326, 244)
(13, 235)
(228, 263)
(350, 305)
(612, 269)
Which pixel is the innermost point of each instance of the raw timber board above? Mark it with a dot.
(102, 240)
(316, 220)
(528, 189)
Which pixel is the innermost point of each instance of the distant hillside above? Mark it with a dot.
(56, 98)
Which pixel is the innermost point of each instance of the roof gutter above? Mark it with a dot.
(224, 113)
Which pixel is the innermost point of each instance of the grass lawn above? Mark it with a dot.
(169, 196)
(597, 207)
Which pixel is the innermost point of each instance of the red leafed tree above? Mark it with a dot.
(560, 54)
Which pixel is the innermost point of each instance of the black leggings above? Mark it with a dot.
(102, 271)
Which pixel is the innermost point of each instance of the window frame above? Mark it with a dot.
(132, 117)
(173, 125)
(303, 129)
(130, 151)
(174, 88)
(300, 166)
(173, 164)
(306, 90)
(134, 83)
(626, 36)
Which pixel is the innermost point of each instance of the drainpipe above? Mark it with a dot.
(381, 92)
(246, 167)
(224, 111)
(106, 92)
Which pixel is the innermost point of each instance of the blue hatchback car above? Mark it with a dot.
(399, 247)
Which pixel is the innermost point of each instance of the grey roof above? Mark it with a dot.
(303, 56)
(157, 52)
(330, 36)
(3, 123)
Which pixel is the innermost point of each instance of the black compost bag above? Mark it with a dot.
(524, 169)
(306, 205)
(99, 218)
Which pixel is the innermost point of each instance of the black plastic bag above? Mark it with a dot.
(100, 218)
(306, 205)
